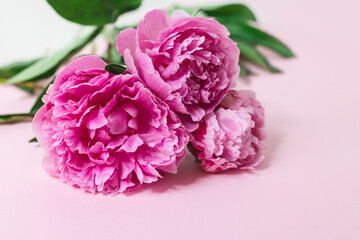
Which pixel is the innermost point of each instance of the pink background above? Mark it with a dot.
(307, 188)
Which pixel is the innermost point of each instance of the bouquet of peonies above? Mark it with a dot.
(109, 127)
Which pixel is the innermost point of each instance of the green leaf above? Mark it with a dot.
(227, 13)
(255, 36)
(193, 151)
(33, 140)
(38, 104)
(113, 33)
(112, 36)
(93, 12)
(250, 52)
(197, 11)
(115, 68)
(112, 55)
(244, 71)
(115, 57)
(11, 118)
(27, 89)
(14, 68)
(48, 65)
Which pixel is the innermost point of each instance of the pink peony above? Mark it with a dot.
(189, 62)
(232, 136)
(106, 133)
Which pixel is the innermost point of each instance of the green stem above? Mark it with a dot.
(12, 118)
(31, 85)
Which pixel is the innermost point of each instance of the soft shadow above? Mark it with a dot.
(272, 142)
(270, 54)
(245, 80)
(188, 173)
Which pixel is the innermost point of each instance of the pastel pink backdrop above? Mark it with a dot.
(307, 188)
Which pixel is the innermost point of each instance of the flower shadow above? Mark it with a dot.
(272, 143)
(189, 172)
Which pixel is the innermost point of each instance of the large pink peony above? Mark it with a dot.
(106, 133)
(232, 136)
(189, 62)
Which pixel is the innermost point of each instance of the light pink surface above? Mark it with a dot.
(307, 188)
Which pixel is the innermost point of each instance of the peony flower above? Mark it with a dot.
(106, 133)
(189, 62)
(232, 136)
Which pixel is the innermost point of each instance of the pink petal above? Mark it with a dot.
(132, 143)
(97, 147)
(178, 15)
(150, 76)
(96, 119)
(82, 63)
(153, 23)
(126, 39)
(117, 122)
